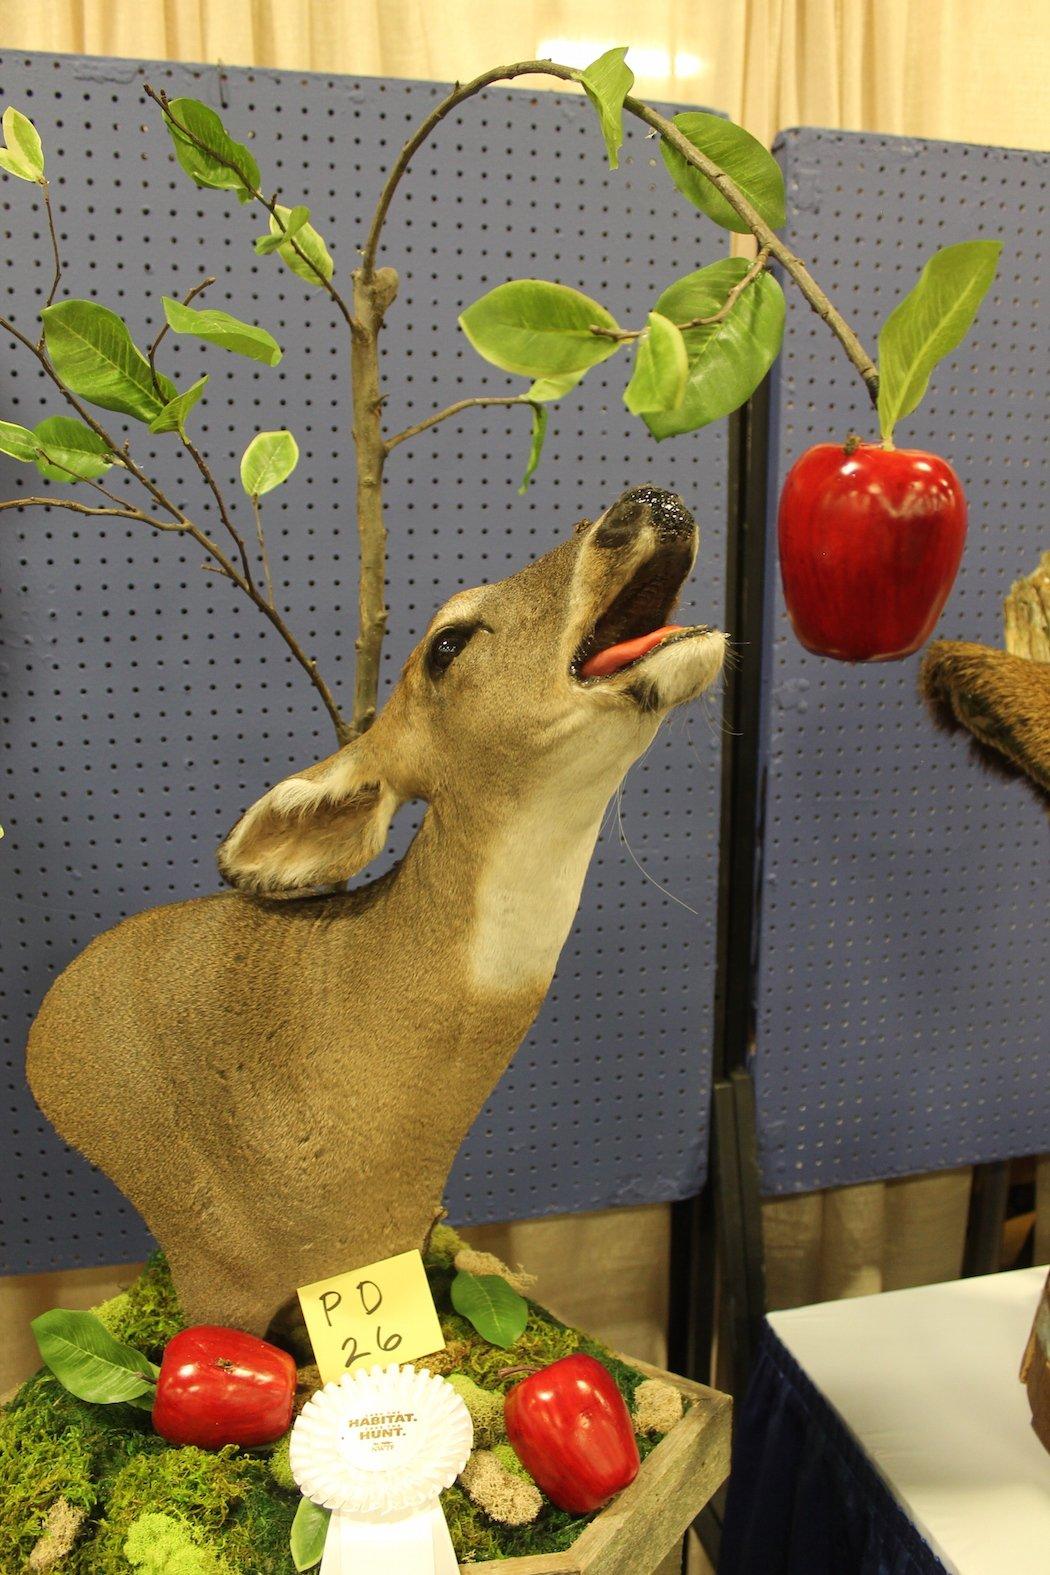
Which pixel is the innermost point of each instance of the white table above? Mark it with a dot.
(927, 1382)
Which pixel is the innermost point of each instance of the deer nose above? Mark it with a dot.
(643, 506)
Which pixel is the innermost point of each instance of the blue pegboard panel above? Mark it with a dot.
(904, 941)
(143, 707)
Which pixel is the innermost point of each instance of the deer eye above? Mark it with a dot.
(445, 647)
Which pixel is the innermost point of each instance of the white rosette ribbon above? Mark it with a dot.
(377, 1448)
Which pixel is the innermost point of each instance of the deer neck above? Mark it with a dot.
(506, 878)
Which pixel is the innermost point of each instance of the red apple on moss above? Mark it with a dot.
(222, 1386)
(870, 544)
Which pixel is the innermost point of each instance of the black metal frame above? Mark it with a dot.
(724, 1223)
(717, 1280)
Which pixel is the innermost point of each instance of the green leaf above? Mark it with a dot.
(727, 360)
(661, 366)
(607, 82)
(17, 441)
(929, 323)
(172, 418)
(309, 1530)
(297, 217)
(268, 460)
(315, 257)
(496, 1309)
(93, 353)
(741, 156)
(23, 155)
(219, 328)
(547, 388)
(538, 329)
(539, 432)
(87, 1361)
(207, 152)
(67, 450)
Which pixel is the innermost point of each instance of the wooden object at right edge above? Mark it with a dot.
(1035, 1369)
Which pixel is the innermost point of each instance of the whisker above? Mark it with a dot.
(651, 879)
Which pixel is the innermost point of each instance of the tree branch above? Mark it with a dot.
(220, 503)
(129, 513)
(793, 266)
(454, 410)
(269, 203)
(151, 353)
(120, 452)
(622, 335)
(46, 189)
(182, 523)
(372, 298)
(263, 553)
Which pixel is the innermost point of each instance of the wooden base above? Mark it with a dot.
(1035, 1369)
(642, 1525)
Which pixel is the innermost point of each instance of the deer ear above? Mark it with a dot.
(314, 829)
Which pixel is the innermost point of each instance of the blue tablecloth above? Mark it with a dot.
(804, 1498)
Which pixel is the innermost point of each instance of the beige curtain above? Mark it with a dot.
(855, 1241)
(961, 69)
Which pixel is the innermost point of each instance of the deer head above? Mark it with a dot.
(498, 703)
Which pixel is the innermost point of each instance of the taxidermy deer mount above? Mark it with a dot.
(306, 1071)
(311, 1066)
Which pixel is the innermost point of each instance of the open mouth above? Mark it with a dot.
(636, 621)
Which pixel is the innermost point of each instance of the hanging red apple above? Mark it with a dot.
(870, 544)
(871, 536)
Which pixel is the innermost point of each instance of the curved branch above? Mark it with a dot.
(182, 522)
(269, 203)
(130, 513)
(793, 266)
(454, 410)
(151, 353)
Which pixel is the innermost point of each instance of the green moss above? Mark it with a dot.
(280, 1467)
(147, 1314)
(444, 1244)
(232, 1506)
(161, 1545)
(225, 1495)
(510, 1462)
(485, 1407)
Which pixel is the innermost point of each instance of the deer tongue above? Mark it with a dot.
(614, 657)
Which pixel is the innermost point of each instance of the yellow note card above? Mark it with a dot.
(380, 1315)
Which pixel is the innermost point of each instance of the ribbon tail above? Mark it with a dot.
(399, 1547)
(445, 1561)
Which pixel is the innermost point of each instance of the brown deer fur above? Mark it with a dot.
(1002, 699)
(280, 1087)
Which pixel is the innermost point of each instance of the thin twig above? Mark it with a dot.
(220, 503)
(269, 203)
(182, 523)
(263, 553)
(151, 353)
(734, 295)
(622, 335)
(454, 410)
(121, 452)
(46, 189)
(793, 266)
(129, 513)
